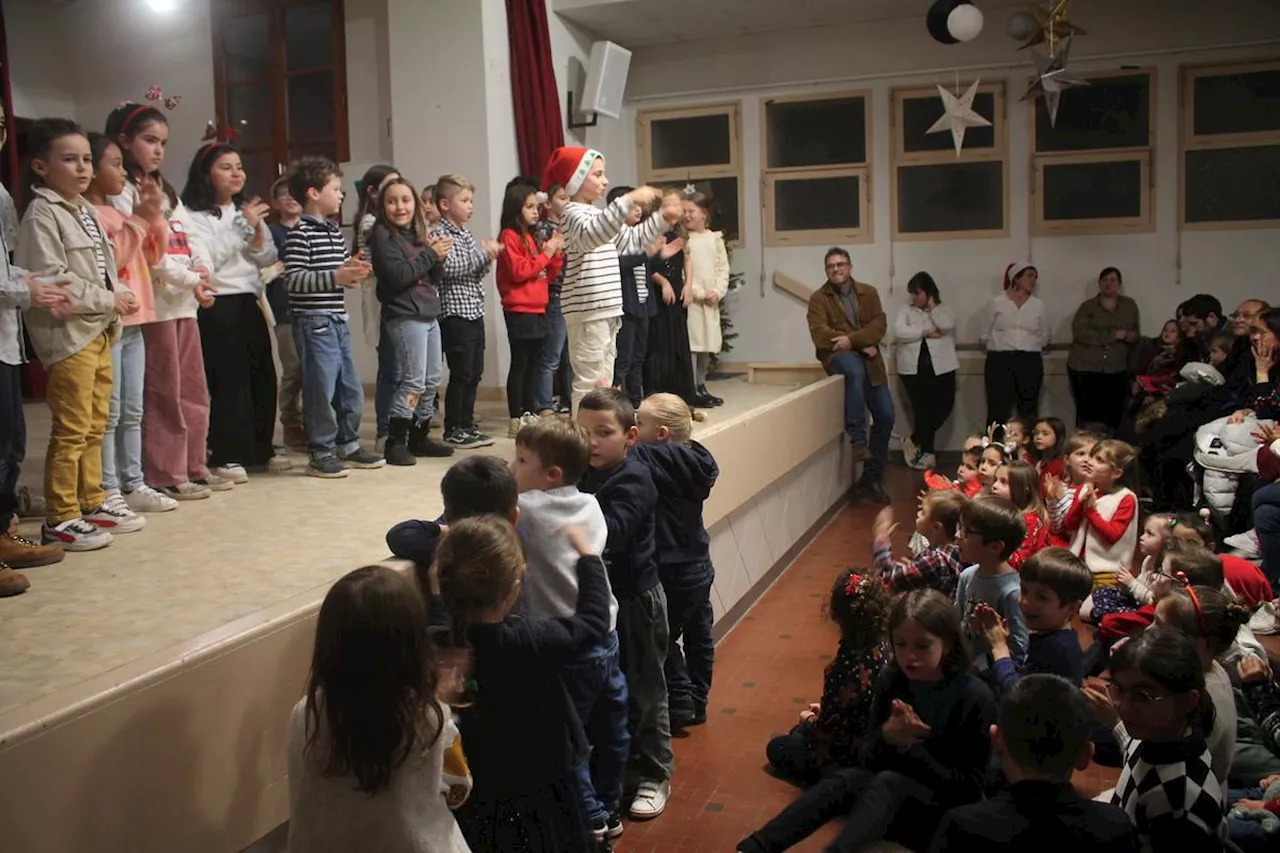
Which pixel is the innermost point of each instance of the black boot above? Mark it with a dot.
(397, 450)
(420, 443)
(712, 400)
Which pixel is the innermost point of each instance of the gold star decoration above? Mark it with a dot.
(1052, 79)
(1054, 26)
(958, 114)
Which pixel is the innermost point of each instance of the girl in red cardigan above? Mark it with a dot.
(1047, 442)
(525, 270)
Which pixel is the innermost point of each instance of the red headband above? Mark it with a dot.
(1195, 602)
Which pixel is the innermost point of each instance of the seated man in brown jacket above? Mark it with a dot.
(847, 324)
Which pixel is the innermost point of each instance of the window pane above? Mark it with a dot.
(723, 193)
(951, 197)
(327, 149)
(678, 143)
(1093, 190)
(817, 204)
(1111, 113)
(1233, 184)
(252, 105)
(308, 37)
(830, 132)
(246, 52)
(260, 172)
(920, 114)
(310, 107)
(1237, 103)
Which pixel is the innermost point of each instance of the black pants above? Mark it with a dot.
(1100, 398)
(13, 440)
(932, 399)
(464, 353)
(873, 803)
(241, 374)
(628, 367)
(794, 755)
(1013, 381)
(522, 377)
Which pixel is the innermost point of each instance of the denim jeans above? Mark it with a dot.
(388, 379)
(859, 396)
(599, 693)
(1247, 834)
(689, 662)
(642, 637)
(13, 440)
(122, 442)
(332, 396)
(555, 356)
(415, 350)
(628, 367)
(1266, 521)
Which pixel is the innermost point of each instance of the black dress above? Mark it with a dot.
(668, 368)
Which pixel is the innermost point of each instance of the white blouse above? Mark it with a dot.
(1013, 329)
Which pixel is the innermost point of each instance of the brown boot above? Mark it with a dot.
(11, 582)
(22, 553)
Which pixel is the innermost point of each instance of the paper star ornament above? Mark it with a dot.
(1054, 26)
(1052, 79)
(958, 115)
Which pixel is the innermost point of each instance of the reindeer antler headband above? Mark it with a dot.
(152, 96)
(216, 137)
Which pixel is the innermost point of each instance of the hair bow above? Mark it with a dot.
(856, 584)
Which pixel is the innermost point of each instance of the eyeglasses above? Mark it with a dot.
(839, 265)
(1134, 695)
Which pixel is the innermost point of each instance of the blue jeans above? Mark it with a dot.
(385, 384)
(598, 691)
(689, 662)
(122, 442)
(1266, 521)
(859, 396)
(555, 356)
(1247, 834)
(415, 350)
(332, 396)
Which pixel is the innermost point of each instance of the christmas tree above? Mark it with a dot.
(727, 334)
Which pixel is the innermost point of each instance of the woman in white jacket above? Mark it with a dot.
(926, 349)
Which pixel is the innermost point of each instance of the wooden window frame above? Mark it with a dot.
(1144, 223)
(903, 158)
(865, 232)
(1188, 140)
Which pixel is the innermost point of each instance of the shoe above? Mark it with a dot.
(11, 582)
(476, 434)
(215, 483)
(513, 427)
(233, 472)
(607, 827)
(421, 443)
(926, 462)
(859, 452)
(20, 553)
(703, 401)
(328, 466)
(279, 463)
(114, 516)
(147, 499)
(396, 449)
(31, 505)
(910, 451)
(462, 439)
(76, 534)
(361, 458)
(295, 437)
(713, 400)
(872, 492)
(685, 718)
(380, 444)
(188, 491)
(1245, 544)
(651, 799)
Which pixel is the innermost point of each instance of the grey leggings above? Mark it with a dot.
(701, 361)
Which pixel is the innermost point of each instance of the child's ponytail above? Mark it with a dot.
(1202, 611)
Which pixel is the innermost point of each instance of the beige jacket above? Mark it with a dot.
(53, 241)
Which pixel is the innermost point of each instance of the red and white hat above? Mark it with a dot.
(568, 168)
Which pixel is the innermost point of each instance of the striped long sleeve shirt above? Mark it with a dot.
(594, 238)
(313, 251)
(462, 282)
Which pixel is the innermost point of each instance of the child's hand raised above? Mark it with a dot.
(492, 248)
(150, 202)
(645, 196)
(1054, 487)
(904, 728)
(986, 621)
(254, 211)
(671, 248)
(1088, 497)
(441, 244)
(884, 525)
(672, 209)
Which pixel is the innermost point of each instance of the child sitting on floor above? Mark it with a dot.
(1133, 591)
(830, 731)
(1060, 490)
(937, 565)
(990, 530)
(1048, 441)
(1017, 483)
(1102, 521)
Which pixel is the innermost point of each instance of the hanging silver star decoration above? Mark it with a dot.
(958, 114)
(690, 189)
(1052, 79)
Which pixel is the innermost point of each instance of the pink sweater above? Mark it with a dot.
(138, 245)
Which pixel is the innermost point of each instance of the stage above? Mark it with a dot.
(156, 674)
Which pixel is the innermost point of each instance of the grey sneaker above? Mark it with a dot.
(462, 439)
(480, 438)
(361, 458)
(328, 466)
(188, 491)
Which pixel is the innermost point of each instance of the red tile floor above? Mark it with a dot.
(767, 670)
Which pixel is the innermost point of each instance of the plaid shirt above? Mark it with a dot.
(465, 267)
(936, 568)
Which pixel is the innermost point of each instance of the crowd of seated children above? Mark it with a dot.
(990, 530)
(937, 564)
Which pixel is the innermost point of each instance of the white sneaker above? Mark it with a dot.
(147, 499)
(926, 462)
(188, 491)
(1245, 544)
(910, 451)
(651, 799)
(75, 535)
(114, 516)
(214, 483)
(528, 418)
(280, 462)
(233, 473)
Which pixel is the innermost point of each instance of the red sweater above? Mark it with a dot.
(1246, 580)
(1038, 538)
(524, 274)
(1054, 467)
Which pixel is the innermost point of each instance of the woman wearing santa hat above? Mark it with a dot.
(1015, 336)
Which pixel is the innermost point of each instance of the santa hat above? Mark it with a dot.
(1014, 270)
(568, 168)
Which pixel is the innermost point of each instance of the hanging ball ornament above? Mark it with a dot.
(936, 20)
(1022, 26)
(965, 22)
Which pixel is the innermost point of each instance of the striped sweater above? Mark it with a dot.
(313, 251)
(594, 238)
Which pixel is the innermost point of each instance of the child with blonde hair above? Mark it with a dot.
(706, 285)
(1103, 518)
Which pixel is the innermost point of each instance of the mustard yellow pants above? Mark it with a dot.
(79, 397)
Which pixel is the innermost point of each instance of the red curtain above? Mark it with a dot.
(539, 126)
(10, 169)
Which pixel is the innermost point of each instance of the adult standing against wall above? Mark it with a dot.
(1103, 333)
(847, 324)
(925, 335)
(1015, 336)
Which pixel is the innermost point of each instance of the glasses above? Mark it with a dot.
(839, 265)
(1134, 695)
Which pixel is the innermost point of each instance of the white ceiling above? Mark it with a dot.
(635, 23)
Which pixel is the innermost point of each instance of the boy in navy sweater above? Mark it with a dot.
(1042, 735)
(317, 268)
(629, 500)
(638, 305)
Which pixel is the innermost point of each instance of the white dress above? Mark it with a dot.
(708, 271)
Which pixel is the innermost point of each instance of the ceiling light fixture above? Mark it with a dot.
(162, 6)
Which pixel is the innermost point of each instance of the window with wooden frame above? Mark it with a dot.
(700, 146)
(1091, 171)
(816, 179)
(937, 195)
(280, 79)
(1230, 159)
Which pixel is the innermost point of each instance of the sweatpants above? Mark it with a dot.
(175, 411)
(593, 348)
